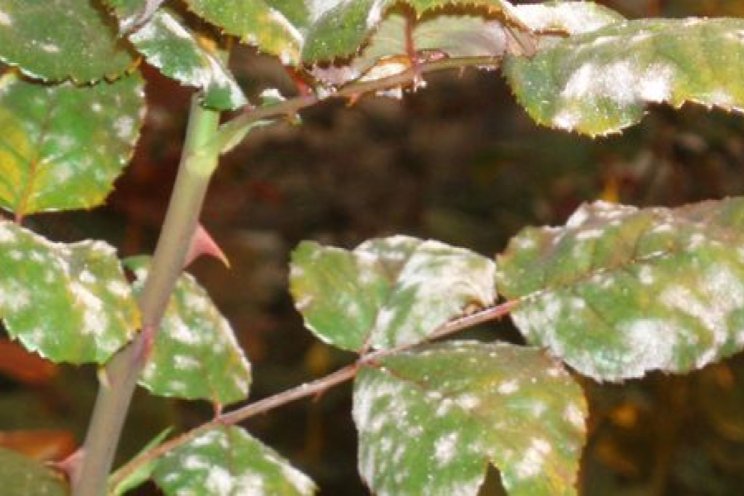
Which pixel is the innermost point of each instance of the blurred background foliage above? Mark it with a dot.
(457, 161)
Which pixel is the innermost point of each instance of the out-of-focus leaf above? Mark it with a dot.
(132, 13)
(566, 17)
(61, 39)
(195, 354)
(339, 29)
(174, 49)
(388, 291)
(228, 460)
(430, 421)
(619, 291)
(40, 444)
(274, 26)
(600, 82)
(68, 302)
(143, 472)
(29, 368)
(62, 146)
(25, 477)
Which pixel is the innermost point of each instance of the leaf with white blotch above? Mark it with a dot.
(387, 292)
(55, 40)
(340, 29)
(566, 17)
(619, 291)
(600, 82)
(23, 476)
(195, 354)
(171, 47)
(274, 26)
(443, 36)
(63, 146)
(133, 13)
(68, 302)
(429, 421)
(228, 460)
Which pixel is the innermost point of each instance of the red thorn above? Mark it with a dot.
(71, 465)
(203, 244)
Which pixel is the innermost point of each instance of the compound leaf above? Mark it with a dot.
(174, 49)
(63, 146)
(429, 421)
(227, 460)
(619, 291)
(68, 302)
(195, 354)
(26, 477)
(600, 82)
(55, 40)
(388, 291)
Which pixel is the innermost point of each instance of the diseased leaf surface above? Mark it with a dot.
(174, 49)
(619, 291)
(600, 82)
(63, 146)
(56, 40)
(143, 473)
(228, 461)
(195, 354)
(429, 421)
(566, 17)
(68, 302)
(388, 291)
(26, 477)
(274, 26)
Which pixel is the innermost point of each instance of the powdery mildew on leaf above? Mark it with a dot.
(275, 27)
(386, 292)
(195, 354)
(619, 291)
(87, 310)
(228, 461)
(168, 45)
(63, 146)
(26, 476)
(600, 82)
(567, 17)
(429, 421)
(52, 40)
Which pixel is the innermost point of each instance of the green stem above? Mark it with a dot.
(121, 373)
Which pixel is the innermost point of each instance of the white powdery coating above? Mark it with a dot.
(468, 401)
(185, 362)
(195, 462)
(650, 345)
(445, 448)
(300, 481)
(319, 7)
(49, 47)
(218, 481)
(533, 459)
(119, 289)
(14, 297)
(623, 82)
(574, 416)
(508, 387)
(570, 17)
(124, 127)
(375, 13)
(5, 19)
(6, 233)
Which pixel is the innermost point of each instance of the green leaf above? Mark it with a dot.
(143, 472)
(63, 146)
(430, 421)
(274, 26)
(174, 49)
(566, 17)
(619, 291)
(388, 291)
(599, 83)
(227, 460)
(23, 476)
(56, 40)
(68, 302)
(341, 28)
(195, 354)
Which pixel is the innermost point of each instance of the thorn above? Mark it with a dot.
(217, 406)
(203, 244)
(71, 465)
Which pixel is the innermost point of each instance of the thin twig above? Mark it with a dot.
(308, 389)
